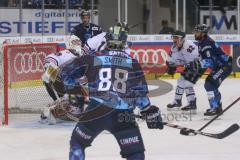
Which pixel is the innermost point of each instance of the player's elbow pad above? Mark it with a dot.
(206, 63)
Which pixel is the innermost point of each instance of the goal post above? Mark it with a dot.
(21, 88)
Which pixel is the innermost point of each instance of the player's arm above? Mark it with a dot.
(71, 72)
(207, 61)
(150, 112)
(171, 64)
(51, 72)
(96, 43)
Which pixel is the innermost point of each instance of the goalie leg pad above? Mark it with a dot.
(130, 141)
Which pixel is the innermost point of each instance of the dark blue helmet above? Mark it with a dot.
(201, 28)
(117, 36)
(85, 13)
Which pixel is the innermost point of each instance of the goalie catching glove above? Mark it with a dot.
(153, 117)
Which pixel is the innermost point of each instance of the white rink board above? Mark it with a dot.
(26, 139)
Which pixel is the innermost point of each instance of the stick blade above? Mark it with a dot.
(233, 128)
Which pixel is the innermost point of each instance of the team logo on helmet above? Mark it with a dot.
(85, 13)
(201, 28)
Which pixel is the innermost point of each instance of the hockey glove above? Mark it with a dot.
(194, 66)
(153, 117)
(171, 68)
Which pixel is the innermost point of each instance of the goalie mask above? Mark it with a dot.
(117, 36)
(75, 44)
(178, 38)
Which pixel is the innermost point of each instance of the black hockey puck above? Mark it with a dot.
(187, 132)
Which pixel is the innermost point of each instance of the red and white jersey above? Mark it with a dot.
(184, 55)
(58, 58)
(98, 43)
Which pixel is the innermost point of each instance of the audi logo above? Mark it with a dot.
(238, 61)
(150, 57)
(29, 62)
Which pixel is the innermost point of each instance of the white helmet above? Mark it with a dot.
(75, 44)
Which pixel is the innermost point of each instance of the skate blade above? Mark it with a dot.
(210, 117)
(190, 112)
(43, 121)
(173, 109)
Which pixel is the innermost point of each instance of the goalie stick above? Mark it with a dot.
(233, 128)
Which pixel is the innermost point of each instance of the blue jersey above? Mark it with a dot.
(114, 79)
(84, 33)
(212, 56)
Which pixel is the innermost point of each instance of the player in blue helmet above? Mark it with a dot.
(86, 30)
(116, 86)
(214, 58)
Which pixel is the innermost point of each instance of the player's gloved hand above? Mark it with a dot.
(152, 115)
(194, 66)
(171, 68)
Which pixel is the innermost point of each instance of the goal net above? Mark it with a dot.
(21, 88)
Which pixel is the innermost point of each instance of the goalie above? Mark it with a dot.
(65, 106)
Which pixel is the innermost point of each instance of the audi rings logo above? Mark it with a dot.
(29, 62)
(150, 57)
(238, 61)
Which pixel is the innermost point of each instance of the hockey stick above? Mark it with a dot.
(229, 106)
(220, 135)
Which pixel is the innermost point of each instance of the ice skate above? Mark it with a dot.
(191, 108)
(175, 106)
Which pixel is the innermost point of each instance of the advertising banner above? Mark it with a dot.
(221, 23)
(151, 57)
(25, 62)
(36, 22)
(236, 58)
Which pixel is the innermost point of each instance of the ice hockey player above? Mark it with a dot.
(115, 81)
(86, 30)
(99, 42)
(54, 85)
(183, 51)
(214, 58)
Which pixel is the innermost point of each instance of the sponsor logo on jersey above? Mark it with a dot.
(94, 28)
(82, 134)
(129, 141)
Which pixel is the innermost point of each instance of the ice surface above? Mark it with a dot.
(26, 139)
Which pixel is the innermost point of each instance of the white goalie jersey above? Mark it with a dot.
(60, 108)
(53, 61)
(187, 53)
